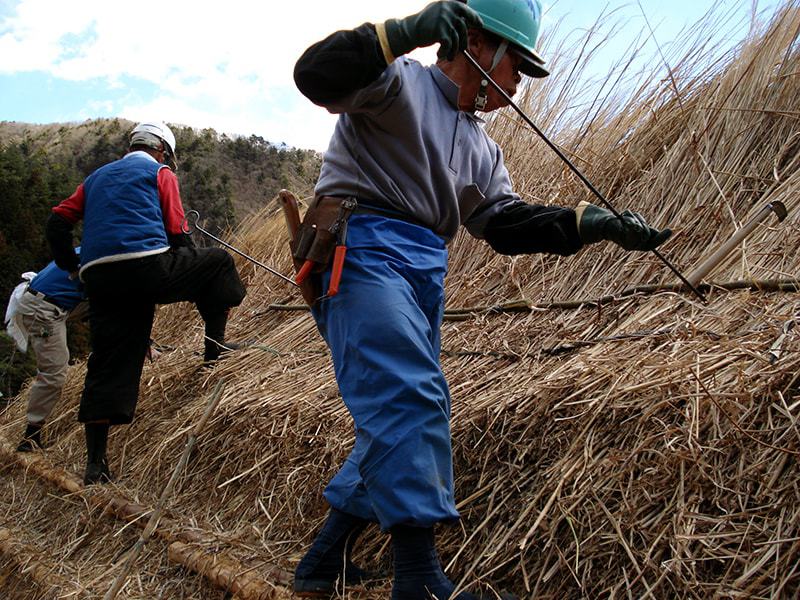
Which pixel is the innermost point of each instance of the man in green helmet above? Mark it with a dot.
(411, 150)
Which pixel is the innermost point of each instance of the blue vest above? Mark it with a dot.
(122, 216)
(54, 283)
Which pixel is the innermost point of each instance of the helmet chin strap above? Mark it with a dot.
(482, 97)
(169, 157)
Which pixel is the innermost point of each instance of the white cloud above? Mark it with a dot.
(224, 65)
(234, 58)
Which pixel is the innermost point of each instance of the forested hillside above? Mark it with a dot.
(224, 178)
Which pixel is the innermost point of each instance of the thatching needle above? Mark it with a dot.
(187, 228)
(572, 167)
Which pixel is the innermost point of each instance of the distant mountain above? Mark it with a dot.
(225, 178)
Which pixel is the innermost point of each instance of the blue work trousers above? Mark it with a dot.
(383, 331)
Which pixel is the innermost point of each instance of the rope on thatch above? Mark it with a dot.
(28, 561)
(169, 530)
(570, 346)
(523, 305)
(769, 285)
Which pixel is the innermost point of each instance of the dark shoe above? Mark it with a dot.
(214, 344)
(328, 562)
(31, 439)
(418, 574)
(96, 462)
(215, 351)
(316, 586)
(96, 473)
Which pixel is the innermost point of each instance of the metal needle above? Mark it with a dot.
(574, 169)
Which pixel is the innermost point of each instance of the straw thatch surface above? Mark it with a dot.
(645, 447)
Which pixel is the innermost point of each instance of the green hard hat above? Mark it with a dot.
(518, 22)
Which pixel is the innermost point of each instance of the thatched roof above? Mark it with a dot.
(642, 446)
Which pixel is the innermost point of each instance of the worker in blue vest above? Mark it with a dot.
(134, 256)
(410, 148)
(37, 316)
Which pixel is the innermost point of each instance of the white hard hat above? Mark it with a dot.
(143, 131)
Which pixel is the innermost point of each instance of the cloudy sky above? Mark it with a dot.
(227, 65)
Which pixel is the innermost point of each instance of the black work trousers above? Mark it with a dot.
(122, 300)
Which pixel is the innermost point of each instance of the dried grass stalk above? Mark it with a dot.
(30, 564)
(643, 447)
(169, 532)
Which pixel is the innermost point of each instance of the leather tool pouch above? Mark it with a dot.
(317, 238)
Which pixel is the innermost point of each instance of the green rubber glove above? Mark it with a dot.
(445, 22)
(631, 231)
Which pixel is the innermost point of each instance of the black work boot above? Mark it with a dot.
(96, 462)
(32, 438)
(215, 345)
(328, 559)
(418, 574)
(215, 351)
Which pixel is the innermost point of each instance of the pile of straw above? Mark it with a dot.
(642, 446)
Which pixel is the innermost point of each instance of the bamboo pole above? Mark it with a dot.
(166, 493)
(227, 574)
(717, 257)
(120, 508)
(523, 305)
(169, 530)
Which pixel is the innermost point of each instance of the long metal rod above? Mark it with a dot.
(572, 167)
(187, 229)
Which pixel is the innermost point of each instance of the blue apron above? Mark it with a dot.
(383, 331)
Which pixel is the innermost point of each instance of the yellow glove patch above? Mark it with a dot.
(579, 212)
(380, 28)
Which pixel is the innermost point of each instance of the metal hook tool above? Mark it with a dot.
(187, 228)
(572, 167)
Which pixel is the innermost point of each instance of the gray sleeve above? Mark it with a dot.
(511, 226)
(497, 195)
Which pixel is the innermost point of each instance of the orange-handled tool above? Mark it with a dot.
(336, 271)
(338, 261)
(339, 230)
(304, 272)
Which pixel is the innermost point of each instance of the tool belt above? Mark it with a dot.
(319, 243)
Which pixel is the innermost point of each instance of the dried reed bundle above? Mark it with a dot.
(644, 446)
(26, 561)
